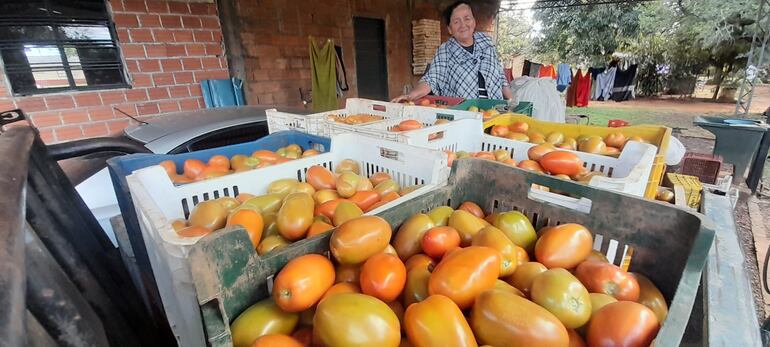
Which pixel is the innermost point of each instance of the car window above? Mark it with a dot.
(223, 137)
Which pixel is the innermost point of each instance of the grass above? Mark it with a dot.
(635, 116)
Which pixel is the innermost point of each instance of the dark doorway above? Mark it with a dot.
(371, 64)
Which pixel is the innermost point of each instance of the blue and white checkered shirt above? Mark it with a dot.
(454, 71)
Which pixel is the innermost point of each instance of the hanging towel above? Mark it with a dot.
(583, 88)
(324, 76)
(604, 83)
(547, 71)
(623, 89)
(564, 77)
(593, 72)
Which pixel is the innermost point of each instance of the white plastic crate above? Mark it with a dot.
(317, 123)
(158, 202)
(628, 173)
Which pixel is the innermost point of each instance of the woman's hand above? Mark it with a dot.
(402, 98)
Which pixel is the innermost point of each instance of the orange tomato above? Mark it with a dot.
(420, 261)
(383, 276)
(524, 275)
(220, 161)
(385, 199)
(416, 287)
(250, 220)
(617, 140)
(342, 287)
(193, 167)
(439, 240)
(304, 336)
(320, 178)
(317, 228)
(519, 127)
(379, 177)
(465, 273)
(409, 124)
(473, 208)
(193, 231)
(622, 323)
(310, 152)
(437, 321)
(537, 152)
(522, 256)
(365, 199)
(180, 179)
(356, 240)
(243, 197)
(499, 130)
(276, 341)
(574, 339)
(302, 282)
(561, 163)
(265, 155)
(530, 165)
(211, 171)
(610, 279)
(564, 246)
(347, 273)
(169, 166)
(327, 209)
(486, 155)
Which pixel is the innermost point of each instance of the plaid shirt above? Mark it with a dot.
(454, 70)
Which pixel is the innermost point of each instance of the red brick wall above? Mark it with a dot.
(168, 46)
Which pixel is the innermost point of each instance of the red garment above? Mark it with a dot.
(572, 91)
(547, 71)
(583, 90)
(508, 74)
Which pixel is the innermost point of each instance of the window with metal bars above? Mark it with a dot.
(55, 45)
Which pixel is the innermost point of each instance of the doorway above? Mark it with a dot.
(371, 62)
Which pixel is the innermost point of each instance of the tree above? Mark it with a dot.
(513, 35)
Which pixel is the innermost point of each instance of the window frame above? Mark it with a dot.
(61, 44)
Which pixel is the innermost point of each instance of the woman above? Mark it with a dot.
(466, 65)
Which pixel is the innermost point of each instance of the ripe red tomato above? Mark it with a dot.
(561, 163)
(600, 277)
(439, 240)
(383, 276)
(537, 152)
(473, 208)
(622, 323)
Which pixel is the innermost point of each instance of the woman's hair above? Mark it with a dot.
(448, 11)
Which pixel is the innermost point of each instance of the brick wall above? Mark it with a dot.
(168, 46)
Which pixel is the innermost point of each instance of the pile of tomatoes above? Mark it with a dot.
(292, 210)
(611, 144)
(411, 124)
(455, 278)
(220, 165)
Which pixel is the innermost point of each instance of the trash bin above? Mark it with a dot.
(737, 140)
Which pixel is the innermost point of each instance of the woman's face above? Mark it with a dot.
(462, 25)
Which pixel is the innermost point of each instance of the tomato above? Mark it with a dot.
(282, 187)
(503, 285)
(346, 211)
(519, 127)
(473, 208)
(327, 208)
(597, 256)
(317, 228)
(169, 166)
(420, 261)
(622, 323)
(501, 318)
(379, 177)
(494, 238)
(387, 186)
(617, 140)
(564, 246)
(466, 224)
(530, 165)
(271, 243)
(524, 275)
(407, 240)
(193, 231)
(354, 320)
(562, 294)
(251, 221)
(599, 277)
(304, 336)
(518, 137)
(219, 161)
(324, 195)
(465, 273)
(320, 177)
(262, 318)
(409, 124)
(347, 273)
(365, 199)
(179, 224)
(193, 167)
(437, 321)
(276, 341)
(561, 163)
(302, 282)
(554, 138)
(650, 296)
(599, 300)
(537, 152)
(440, 215)
(383, 276)
(593, 145)
(385, 199)
(574, 339)
(499, 131)
(416, 287)
(339, 288)
(439, 240)
(358, 239)
(209, 214)
(229, 203)
(267, 204)
(517, 227)
(521, 256)
(295, 216)
(612, 151)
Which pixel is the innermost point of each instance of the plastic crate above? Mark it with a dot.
(523, 107)
(658, 136)
(628, 173)
(691, 185)
(317, 123)
(440, 100)
(229, 282)
(158, 202)
(704, 166)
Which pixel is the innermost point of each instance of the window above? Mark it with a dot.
(54, 45)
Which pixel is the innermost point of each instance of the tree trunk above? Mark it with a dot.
(718, 77)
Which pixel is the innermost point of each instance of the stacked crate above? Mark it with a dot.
(426, 37)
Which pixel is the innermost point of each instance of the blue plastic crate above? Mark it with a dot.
(121, 167)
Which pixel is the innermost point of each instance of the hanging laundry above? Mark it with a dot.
(547, 71)
(571, 97)
(323, 74)
(526, 68)
(508, 75)
(517, 64)
(623, 89)
(594, 71)
(534, 70)
(604, 83)
(541, 92)
(583, 88)
(564, 77)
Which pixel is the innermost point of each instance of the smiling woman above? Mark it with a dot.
(466, 65)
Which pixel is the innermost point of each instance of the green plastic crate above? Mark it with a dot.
(670, 245)
(523, 107)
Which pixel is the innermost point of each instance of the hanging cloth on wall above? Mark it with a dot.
(342, 75)
(583, 88)
(623, 89)
(604, 83)
(324, 76)
(547, 71)
(564, 77)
